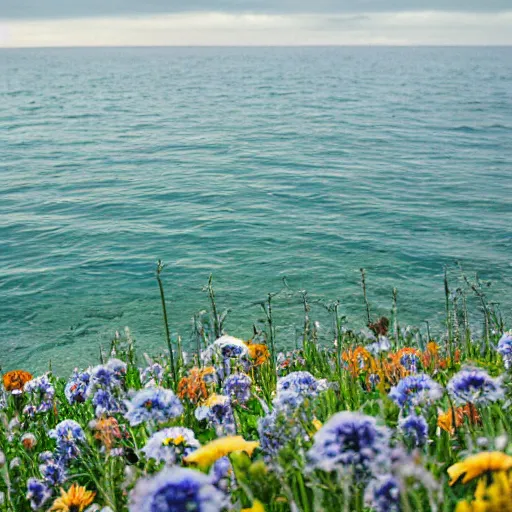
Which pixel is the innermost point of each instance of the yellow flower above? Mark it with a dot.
(174, 440)
(317, 423)
(478, 464)
(256, 507)
(214, 450)
(74, 500)
(497, 497)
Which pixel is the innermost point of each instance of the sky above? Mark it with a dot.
(34, 23)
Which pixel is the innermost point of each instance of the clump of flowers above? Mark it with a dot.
(196, 386)
(383, 494)
(238, 387)
(348, 441)
(505, 349)
(41, 394)
(52, 471)
(449, 423)
(302, 383)
(38, 493)
(170, 445)
(177, 489)
(217, 411)
(106, 387)
(474, 386)
(152, 375)
(415, 390)
(106, 431)
(153, 404)
(258, 352)
(69, 435)
(414, 428)
(77, 387)
(15, 380)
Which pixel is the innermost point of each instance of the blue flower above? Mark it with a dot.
(410, 362)
(42, 393)
(505, 349)
(217, 411)
(38, 493)
(383, 494)
(238, 387)
(222, 474)
(301, 382)
(153, 404)
(474, 386)
(68, 434)
(76, 388)
(177, 490)
(382, 345)
(416, 390)
(170, 445)
(348, 441)
(106, 403)
(414, 429)
(118, 368)
(53, 472)
(152, 375)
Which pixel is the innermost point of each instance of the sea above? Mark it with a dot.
(276, 170)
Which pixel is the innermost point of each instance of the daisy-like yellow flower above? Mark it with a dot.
(257, 506)
(477, 465)
(496, 497)
(214, 450)
(74, 500)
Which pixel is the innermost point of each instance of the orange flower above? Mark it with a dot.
(445, 420)
(258, 352)
(74, 500)
(107, 430)
(16, 379)
(359, 360)
(194, 387)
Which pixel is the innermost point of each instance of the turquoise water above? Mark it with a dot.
(253, 164)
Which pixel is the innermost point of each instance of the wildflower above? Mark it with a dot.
(37, 493)
(42, 393)
(358, 360)
(302, 383)
(238, 387)
(415, 429)
(74, 500)
(15, 380)
(447, 422)
(495, 497)
(257, 506)
(348, 440)
(28, 441)
(170, 445)
(194, 387)
(231, 347)
(217, 411)
(106, 403)
(475, 386)
(153, 404)
(505, 349)
(106, 431)
(380, 327)
(177, 489)
(408, 358)
(152, 375)
(383, 494)
(76, 388)
(208, 454)
(67, 433)
(53, 472)
(415, 390)
(381, 345)
(118, 368)
(476, 465)
(222, 474)
(258, 352)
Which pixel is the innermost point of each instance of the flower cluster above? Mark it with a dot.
(416, 390)
(157, 405)
(475, 386)
(41, 393)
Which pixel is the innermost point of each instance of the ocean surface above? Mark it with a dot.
(252, 164)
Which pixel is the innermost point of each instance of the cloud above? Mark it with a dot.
(216, 28)
(35, 9)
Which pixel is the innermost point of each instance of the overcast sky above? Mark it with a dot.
(254, 22)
